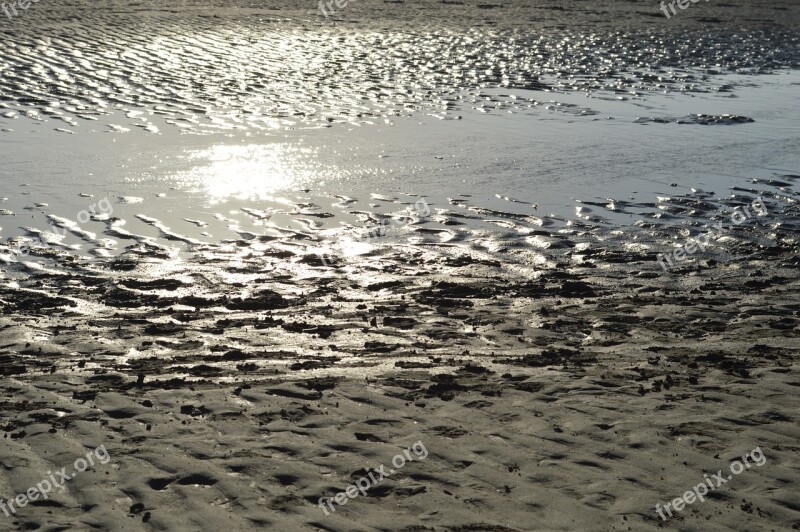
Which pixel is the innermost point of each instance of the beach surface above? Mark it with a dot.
(257, 255)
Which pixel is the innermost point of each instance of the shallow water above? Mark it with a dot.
(210, 128)
(250, 250)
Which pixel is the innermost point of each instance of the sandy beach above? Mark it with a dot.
(414, 266)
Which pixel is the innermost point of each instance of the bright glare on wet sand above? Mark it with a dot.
(399, 265)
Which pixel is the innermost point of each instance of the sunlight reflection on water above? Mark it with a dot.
(254, 171)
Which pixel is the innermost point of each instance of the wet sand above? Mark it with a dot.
(568, 389)
(558, 376)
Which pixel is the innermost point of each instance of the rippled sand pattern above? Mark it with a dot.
(308, 235)
(559, 378)
(527, 353)
(241, 68)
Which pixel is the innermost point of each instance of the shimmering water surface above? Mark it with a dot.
(254, 251)
(206, 123)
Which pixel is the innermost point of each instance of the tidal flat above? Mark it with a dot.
(185, 280)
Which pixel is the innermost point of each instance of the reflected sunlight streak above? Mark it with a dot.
(253, 171)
